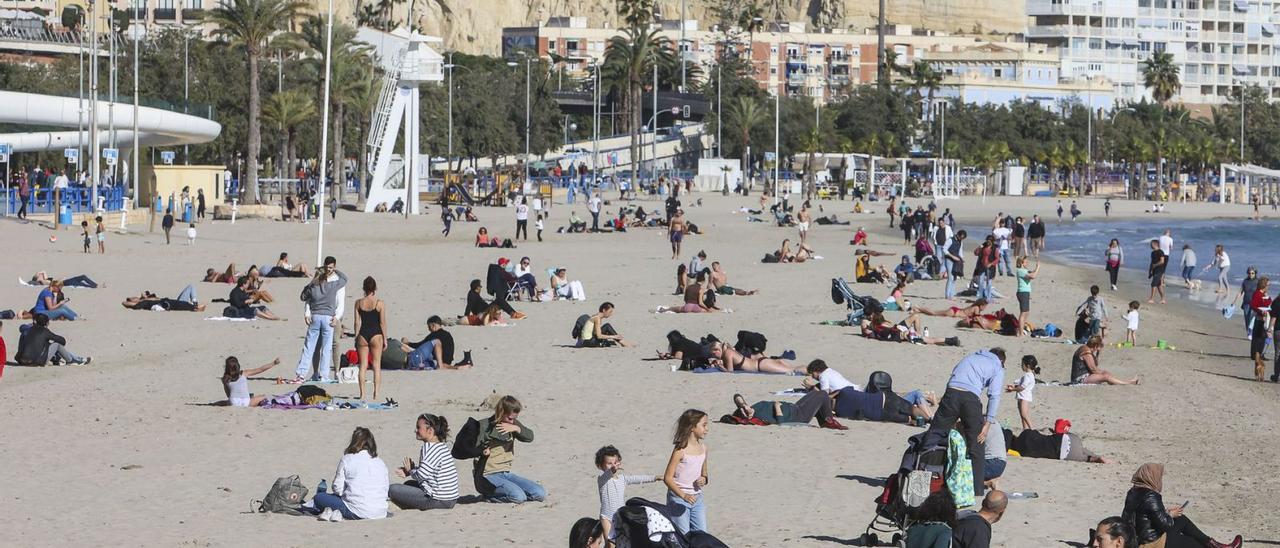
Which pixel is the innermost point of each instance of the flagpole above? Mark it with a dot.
(324, 134)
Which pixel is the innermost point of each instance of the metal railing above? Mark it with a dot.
(78, 198)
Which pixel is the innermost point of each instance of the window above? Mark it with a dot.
(1144, 46)
(571, 45)
(1112, 22)
(193, 4)
(551, 45)
(1095, 43)
(998, 73)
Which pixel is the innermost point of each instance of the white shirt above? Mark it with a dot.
(1166, 244)
(1132, 317)
(832, 381)
(362, 482)
(1223, 260)
(594, 205)
(1026, 385)
(191, 232)
(61, 181)
(537, 204)
(521, 270)
(1002, 235)
(522, 212)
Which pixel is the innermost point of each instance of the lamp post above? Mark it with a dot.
(654, 144)
(595, 117)
(680, 49)
(777, 158)
(134, 173)
(719, 111)
(528, 72)
(324, 138)
(186, 91)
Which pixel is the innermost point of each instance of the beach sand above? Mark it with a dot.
(123, 452)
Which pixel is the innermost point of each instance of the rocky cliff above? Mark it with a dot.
(475, 26)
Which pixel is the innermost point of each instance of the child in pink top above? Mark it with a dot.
(686, 473)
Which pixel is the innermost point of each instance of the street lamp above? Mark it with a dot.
(528, 71)
(449, 67)
(777, 158)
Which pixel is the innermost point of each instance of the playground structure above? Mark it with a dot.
(495, 190)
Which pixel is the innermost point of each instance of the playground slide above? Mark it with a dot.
(466, 196)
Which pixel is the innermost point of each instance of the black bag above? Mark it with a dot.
(231, 312)
(709, 298)
(879, 381)
(578, 324)
(871, 305)
(308, 390)
(466, 443)
(750, 343)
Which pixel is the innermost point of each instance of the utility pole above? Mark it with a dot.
(93, 91)
(654, 143)
(882, 75)
(136, 153)
(719, 110)
(777, 158)
(681, 48)
(186, 91)
(449, 154)
(528, 72)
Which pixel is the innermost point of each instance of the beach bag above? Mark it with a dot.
(466, 443)
(285, 497)
(879, 381)
(350, 357)
(231, 312)
(578, 324)
(770, 258)
(308, 391)
(394, 357)
(750, 343)
(871, 305)
(348, 375)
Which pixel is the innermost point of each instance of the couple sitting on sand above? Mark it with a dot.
(784, 254)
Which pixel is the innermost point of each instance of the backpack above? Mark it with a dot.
(285, 497)
(871, 305)
(750, 343)
(578, 324)
(879, 381)
(466, 443)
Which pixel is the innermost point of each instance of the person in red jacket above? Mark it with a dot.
(1261, 305)
(4, 354)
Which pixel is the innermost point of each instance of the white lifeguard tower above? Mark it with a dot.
(407, 61)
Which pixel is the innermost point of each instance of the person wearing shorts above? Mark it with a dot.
(1159, 261)
(1024, 291)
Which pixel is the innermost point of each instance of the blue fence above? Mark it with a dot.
(79, 199)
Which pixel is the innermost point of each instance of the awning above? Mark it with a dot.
(1131, 42)
(1242, 5)
(1239, 71)
(1115, 41)
(1268, 29)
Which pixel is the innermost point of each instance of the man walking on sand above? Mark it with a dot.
(982, 370)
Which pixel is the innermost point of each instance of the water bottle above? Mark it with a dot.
(323, 487)
(926, 332)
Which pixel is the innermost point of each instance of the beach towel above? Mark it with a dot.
(226, 319)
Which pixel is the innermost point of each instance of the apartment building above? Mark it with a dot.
(1218, 44)
(997, 74)
(787, 57)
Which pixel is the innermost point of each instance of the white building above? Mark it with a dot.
(1217, 43)
(992, 74)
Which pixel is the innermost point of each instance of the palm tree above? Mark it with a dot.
(924, 77)
(889, 65)
(1160, 75)
(364, 100)
(628, 64)
(811, 143)
(348, 74)
(751, 19)
(251, 25)
(745, 114)
(286, 110)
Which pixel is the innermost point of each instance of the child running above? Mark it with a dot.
(1024, 387)
(1131, 332)
(686, 473)
(613, 484)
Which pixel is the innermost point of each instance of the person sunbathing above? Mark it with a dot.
(1086, 366)
(884, 406)
(695, 299)
(41, 278)
(989, 322)
(483, 239)
(810, 406)
(803, 253)
(873, 253)
(973, 309)
(227, 276)
(283, 269)
(185, 302)
(725, 358)
(908, 330)
(720, 282)
(255, 285)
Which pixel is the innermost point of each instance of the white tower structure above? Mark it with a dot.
(407, 62)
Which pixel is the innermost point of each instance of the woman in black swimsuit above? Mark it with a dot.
(371, 334)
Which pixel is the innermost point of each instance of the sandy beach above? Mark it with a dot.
(124, 451)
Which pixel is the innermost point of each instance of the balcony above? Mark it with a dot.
(165, 14)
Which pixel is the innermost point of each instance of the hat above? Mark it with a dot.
(502, 261)
(1061, 426)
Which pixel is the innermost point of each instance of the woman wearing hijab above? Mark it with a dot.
(1159, 526)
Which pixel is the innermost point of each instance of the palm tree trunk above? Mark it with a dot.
(635, 129)
(291, 156)
(255, 130)
(364, 158)
(336, 172)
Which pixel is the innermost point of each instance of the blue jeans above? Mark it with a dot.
(333, 502)
(424, 357)
(1248, 316)
(1004, 262)
(62, 312)
(687, 517)
(950, 292)
(995, 468)
(319, 329)
(188, 295)
(915, 397)
(1188, 273)
(984, 286)
(508, 487)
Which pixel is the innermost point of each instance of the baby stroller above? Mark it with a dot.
(921, 474)
(858, 306)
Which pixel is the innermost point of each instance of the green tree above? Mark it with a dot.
(1160, 75)
(628, 63)
(745, 115)
(348, 71)
(250, 25)
(285, 111)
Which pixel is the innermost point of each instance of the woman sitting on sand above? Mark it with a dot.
(865, 273)
(255, 285)
(803, 253)
(974, 308)
(1085, 368)
(40, 278)
(283, 269)
(908, 330)
(245, 305)
(697, 299)
(185, 302)
(1158, 525)
(483, 239)
(53, 303)
(726, 358)
(235, 383)
(811, 405)
(564, 288)
(227, 276)
(361, 484)
(433, 480)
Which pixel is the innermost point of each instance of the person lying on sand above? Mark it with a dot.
(697, 299)
(228, 276)
(726, 358)
(185, 302)
(908, 330)
(283, 269)
(968, 311)
(41, 278)
(813, 404)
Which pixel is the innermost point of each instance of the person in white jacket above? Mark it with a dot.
(359, 486)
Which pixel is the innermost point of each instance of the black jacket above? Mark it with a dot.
(1144, 509)
(33, 346)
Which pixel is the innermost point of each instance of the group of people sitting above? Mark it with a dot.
(483, 239)
(829, 394)
(785, 254)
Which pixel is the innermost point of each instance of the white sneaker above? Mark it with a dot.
(326, 515)
(335, 516)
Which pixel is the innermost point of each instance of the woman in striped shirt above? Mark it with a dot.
(433, 483)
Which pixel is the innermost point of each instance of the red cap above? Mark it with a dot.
(503, 261)
(1061, 426)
